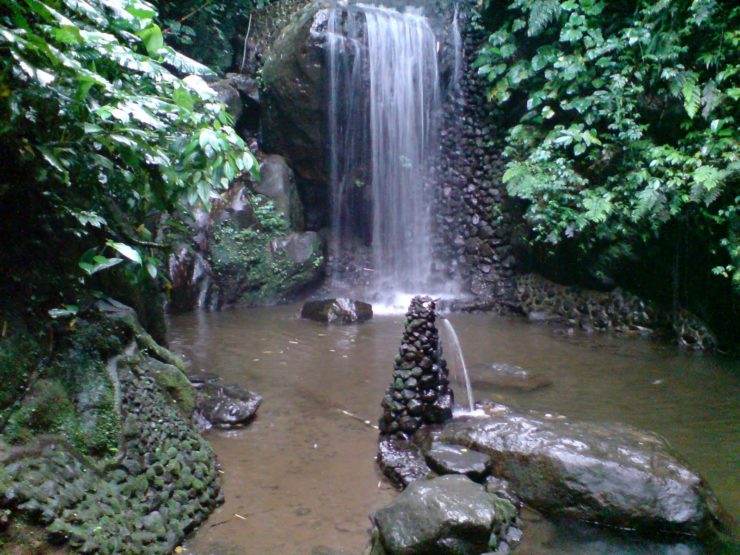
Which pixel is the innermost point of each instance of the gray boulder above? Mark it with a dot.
(247, 88)
(225, 406)
(604, 473)
(278, 184)
(294, 95)
(337, 311)
(402, 461)
(444, 458)
(300, 248)
(448, 515)
(229, 96)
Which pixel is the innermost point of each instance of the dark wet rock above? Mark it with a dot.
(226, 406)
(337, 311)
(278, 184)
(295, 89)
(446, 515)
(444, 458)
(229, 96)
(402, 461)
(605, 473)
(507, 376)
(247, 86)
(543, 300)
(503, 489)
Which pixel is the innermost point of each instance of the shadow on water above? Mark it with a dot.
(303, 474)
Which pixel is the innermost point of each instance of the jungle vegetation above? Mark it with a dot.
(621, 132)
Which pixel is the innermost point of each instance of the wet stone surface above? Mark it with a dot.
(337, 311)
(444, 458)
(222, 405)
(507, 376)
(609, 474)
(402, 461)
(446, 515)
(163, 485)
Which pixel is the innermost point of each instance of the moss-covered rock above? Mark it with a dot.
(125, 472)
(175, 384)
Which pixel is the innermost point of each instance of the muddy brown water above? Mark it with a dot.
(303, 474)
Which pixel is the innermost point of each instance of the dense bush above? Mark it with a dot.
(101, 130)
(621, 123)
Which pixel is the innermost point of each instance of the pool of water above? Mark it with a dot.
(303, 474)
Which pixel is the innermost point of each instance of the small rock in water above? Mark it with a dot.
(444, 458)
(337, 311)
(225, 406)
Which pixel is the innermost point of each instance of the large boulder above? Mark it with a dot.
(610, 474)
(337, 311)
(295, 95)
(230, 97)
(447, 515)
(278, 184)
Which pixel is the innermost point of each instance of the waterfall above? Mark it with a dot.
(384, 97)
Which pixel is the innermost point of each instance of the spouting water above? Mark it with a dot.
(384, 97)
(461, 362)
(457, 47)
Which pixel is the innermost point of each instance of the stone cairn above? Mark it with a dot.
(420, 392)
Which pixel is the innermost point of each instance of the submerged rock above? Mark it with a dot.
(225, 406)
(507, 376)
(444, 458)
(337, 311)
(447, 515)
(610, 474)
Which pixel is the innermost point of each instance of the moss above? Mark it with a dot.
(243, 257)
(45, 409)
(175, 384)
(19, 356)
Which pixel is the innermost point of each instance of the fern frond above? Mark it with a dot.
(691, 93)
(541, 14)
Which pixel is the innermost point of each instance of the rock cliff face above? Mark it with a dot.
(249, 248)
(296, 101)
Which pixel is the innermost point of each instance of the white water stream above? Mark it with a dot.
(462, 368)
(384, 99)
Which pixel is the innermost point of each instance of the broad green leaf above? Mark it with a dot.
(127, 251)
(152, 38)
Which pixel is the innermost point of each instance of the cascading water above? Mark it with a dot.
(384, 98)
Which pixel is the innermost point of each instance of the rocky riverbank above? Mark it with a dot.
(112, 463)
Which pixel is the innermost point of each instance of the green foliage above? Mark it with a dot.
(19, 356)
(97, 118)
(203, 29)
(624, 119)
(245, 255)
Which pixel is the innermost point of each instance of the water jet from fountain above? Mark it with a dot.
(461, 362)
